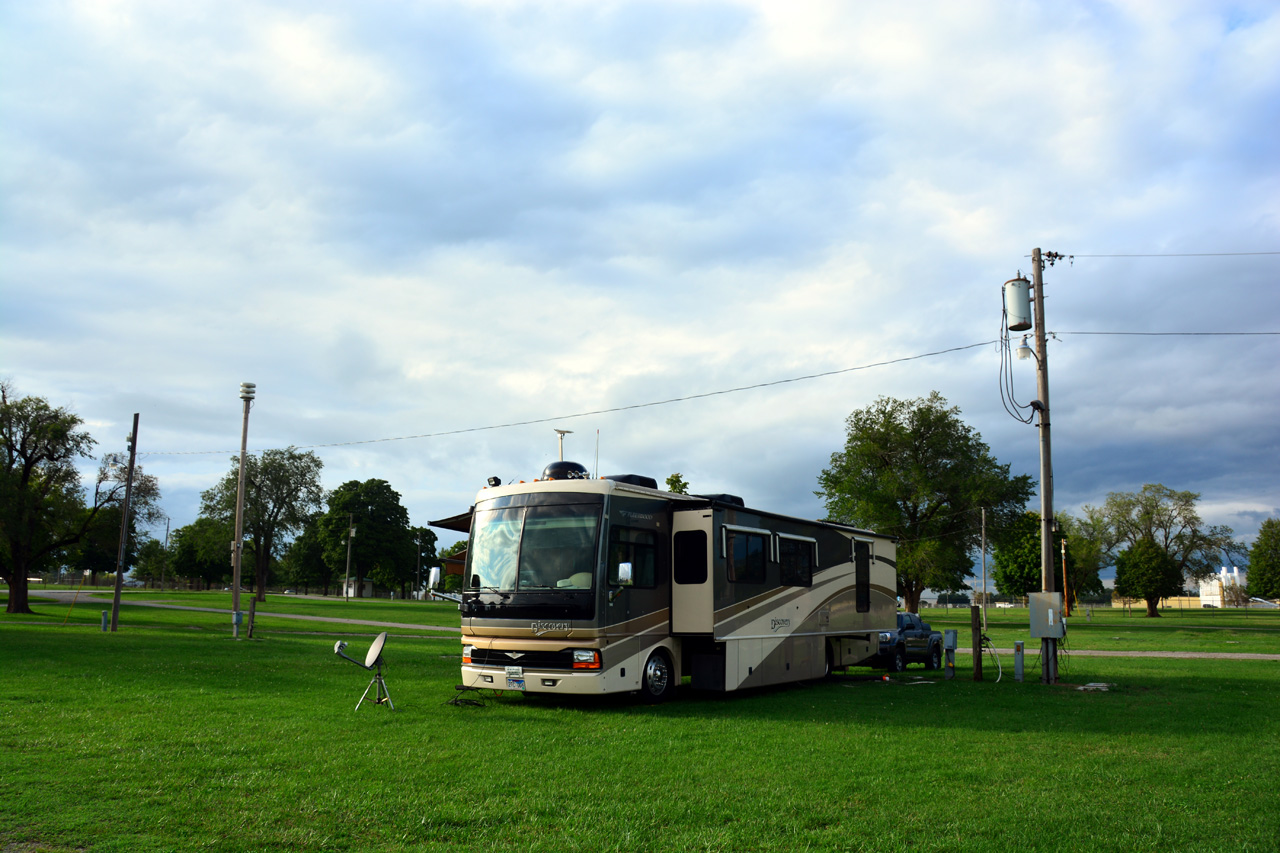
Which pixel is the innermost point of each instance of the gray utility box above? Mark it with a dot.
(1046, 615)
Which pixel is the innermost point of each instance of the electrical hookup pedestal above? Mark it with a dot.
(1048, 626)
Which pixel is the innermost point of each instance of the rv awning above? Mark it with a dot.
(460, 522)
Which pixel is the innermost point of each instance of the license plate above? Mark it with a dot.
(515, 678)
(515, 684)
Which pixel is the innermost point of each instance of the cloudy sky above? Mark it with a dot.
(423, 221)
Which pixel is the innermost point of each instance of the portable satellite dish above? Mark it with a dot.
(373, 660)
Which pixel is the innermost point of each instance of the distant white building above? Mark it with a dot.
(1215, 591)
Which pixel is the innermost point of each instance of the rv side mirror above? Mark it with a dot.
(624, 574)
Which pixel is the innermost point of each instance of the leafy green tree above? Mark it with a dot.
(152, 563)
(1017, 558)
(98, 550)
(1168, 518)
(912, 469)
(202, 551)
(44, 510)
(304, 564)
(383, 548)
(424, 547)
(281, 491)
(1148, 571)
(677, 485)
(1264, 561)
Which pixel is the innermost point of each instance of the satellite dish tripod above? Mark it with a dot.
(373, 660)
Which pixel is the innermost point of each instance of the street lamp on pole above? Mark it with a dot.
(346, 581)
(247, 391)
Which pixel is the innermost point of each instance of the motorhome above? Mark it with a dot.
(576, 585)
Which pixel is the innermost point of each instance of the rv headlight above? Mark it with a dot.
(586, 659)
(885, 636)
(466, 653)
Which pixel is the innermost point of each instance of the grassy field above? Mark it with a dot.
(169, 735)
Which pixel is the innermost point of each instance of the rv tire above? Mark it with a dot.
(657, 679)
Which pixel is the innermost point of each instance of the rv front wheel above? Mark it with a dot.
(657, 681)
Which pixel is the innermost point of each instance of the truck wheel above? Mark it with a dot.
(935, 658)
(657, 681)
(899, 661)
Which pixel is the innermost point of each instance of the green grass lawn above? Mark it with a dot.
(169, 735)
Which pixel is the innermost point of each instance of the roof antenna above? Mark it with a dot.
(372, 660)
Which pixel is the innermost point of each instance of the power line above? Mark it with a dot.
(633, 406)
(1179, 255)
(1174, 334)
(686, 398)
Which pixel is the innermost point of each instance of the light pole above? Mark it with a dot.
(346, 581)
(420, 565)
(247, 391)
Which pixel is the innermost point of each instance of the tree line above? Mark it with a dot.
(294, 530)
(914, 470)
(911, 469)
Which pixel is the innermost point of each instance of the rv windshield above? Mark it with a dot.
(533, 548)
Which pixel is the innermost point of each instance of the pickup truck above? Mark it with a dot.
(912, 642)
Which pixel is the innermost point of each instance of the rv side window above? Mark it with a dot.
(862, 575)
(745, 556)
(637, 548)
(691, 556)
(796, 558)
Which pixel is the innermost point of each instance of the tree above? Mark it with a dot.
(153, 561)
(424, 547)
(383, 549)
(1017, 558)
(677, 485)
(98, 550)
(43, 507)
(281, 491)
(304, 563)
(201, 550)
(1168, 518)
(1148, 571)
(912, 469)
(1264, 561)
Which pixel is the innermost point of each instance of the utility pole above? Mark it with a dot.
(247, 390)
(1048, 645)
(124, 525)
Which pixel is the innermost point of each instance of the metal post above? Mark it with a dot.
(1066, 600)
(237, 546)
(1048, 645)
(124, 525)
(1018, 647)
(346, 581)
(977, 643)
(984, 568)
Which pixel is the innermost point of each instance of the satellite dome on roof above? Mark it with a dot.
(562, 470)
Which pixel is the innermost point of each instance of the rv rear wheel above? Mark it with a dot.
(657, 681)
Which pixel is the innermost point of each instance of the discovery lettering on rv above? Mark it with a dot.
(775, 624)
(540, 628)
